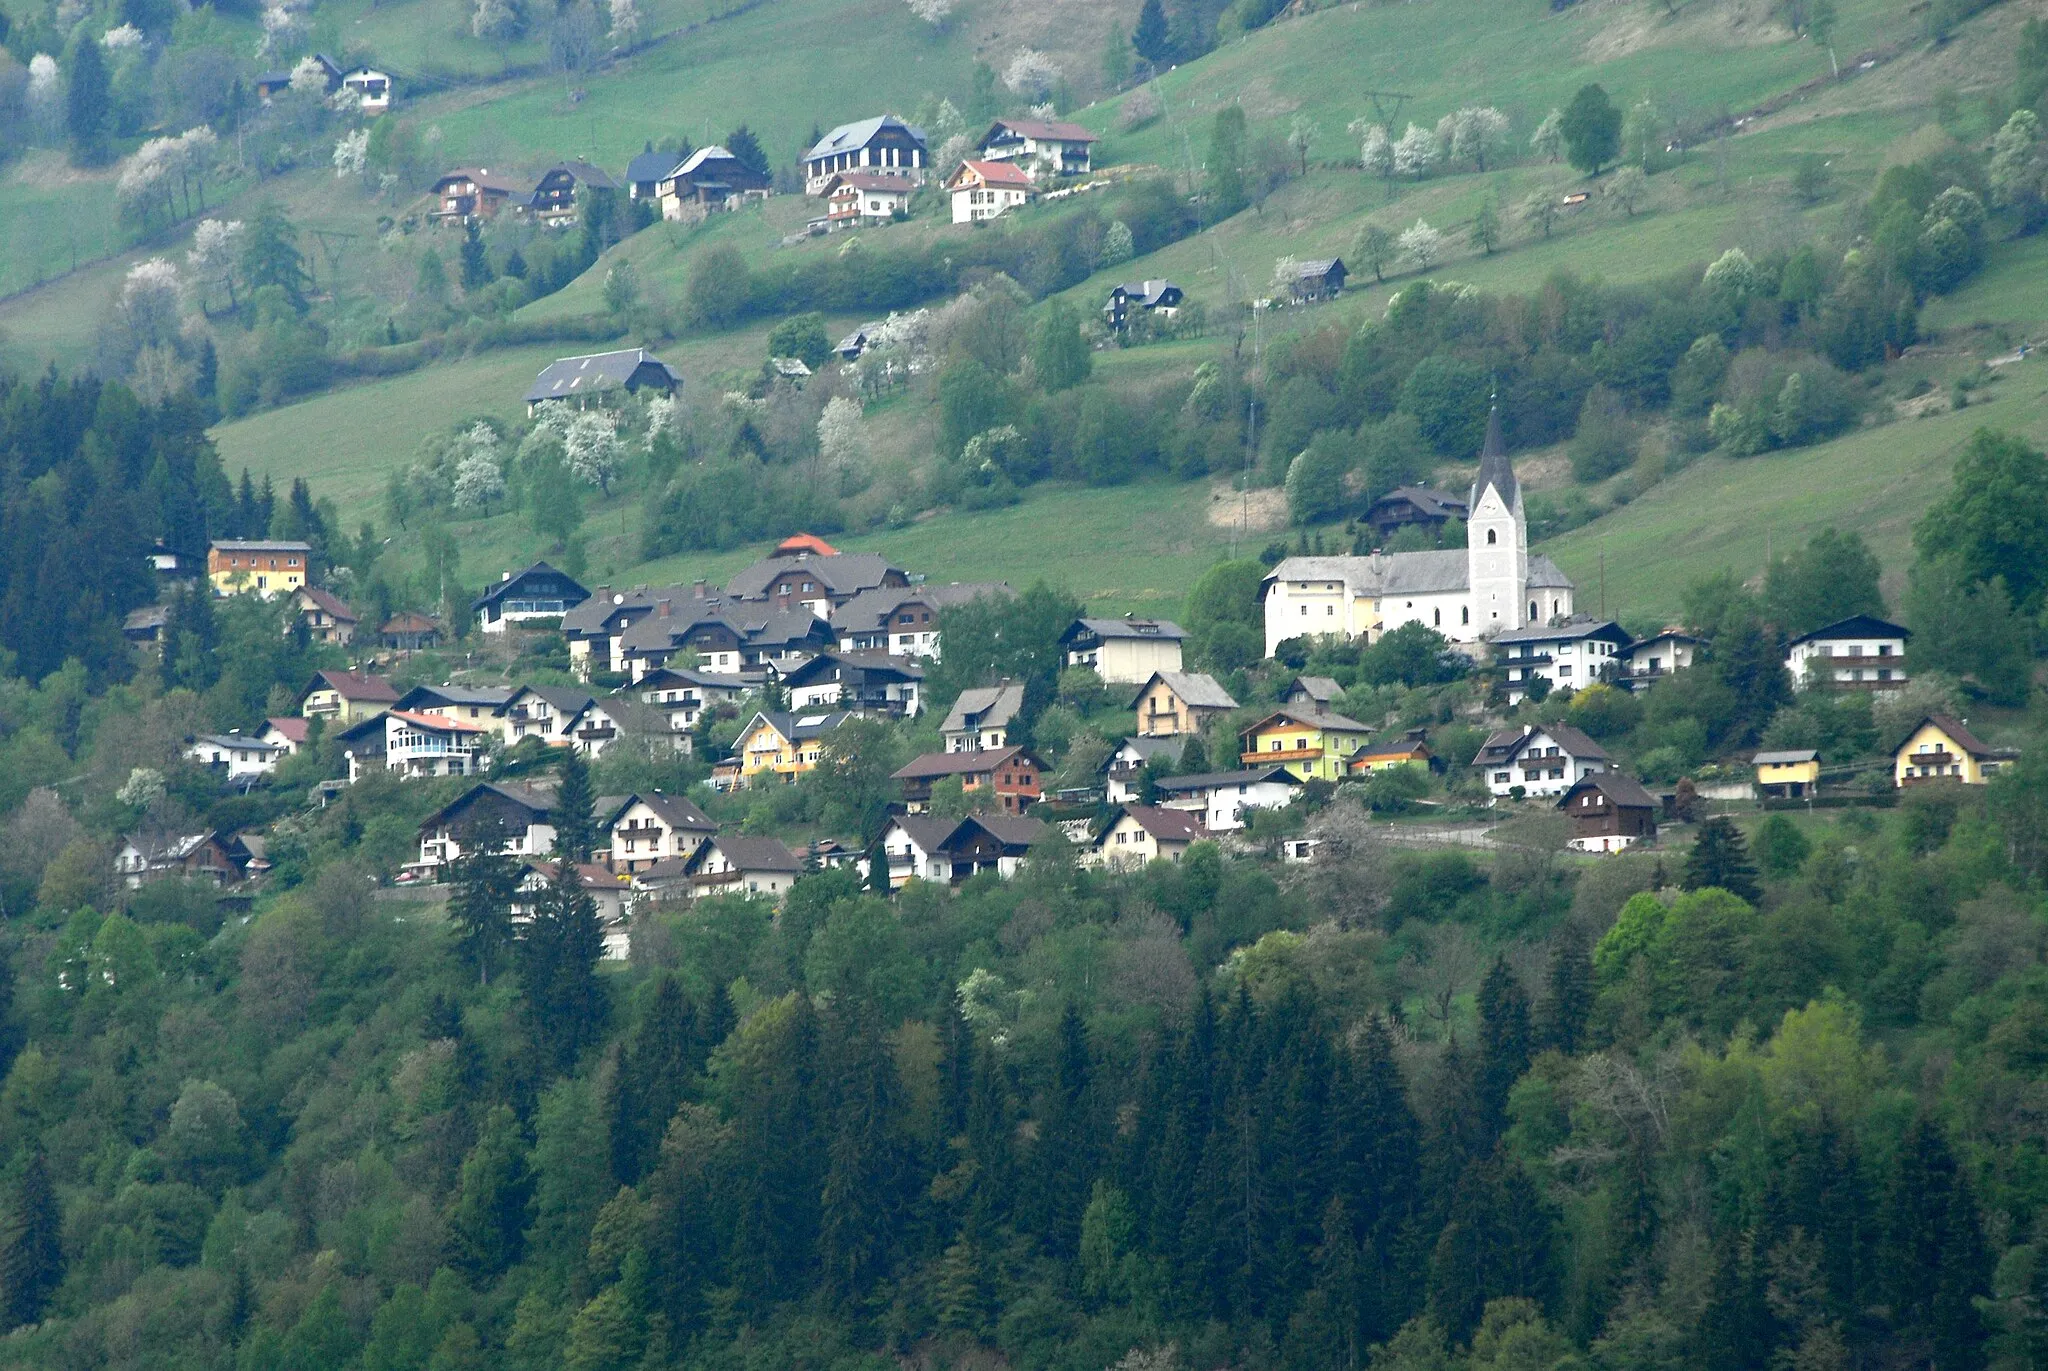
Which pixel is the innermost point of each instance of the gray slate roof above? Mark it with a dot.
(1162, 629)
(871, 609)
(1440, 572)
(1196, 688)
(1570, 632)
(1209, 780)
(853, 137)
(597, 371)
(984, 707)
(1788, 757)
(848, 573)
(1620, 788)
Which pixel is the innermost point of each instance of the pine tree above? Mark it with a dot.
(558, 956)
(1064, 1154)
(654, 1070)
(31, 1246)
(486, 881)
(1720, 860)
(1933, 1255)
(488, 1219)
(575, 825)
(961, 1295)
(867, 1179)
(88, 103)
(476, 262)
(1150, 39)
(1505, 1042)
(246, 525)
(1571, 991)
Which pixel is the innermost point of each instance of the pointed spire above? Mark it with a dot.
(1494, 467)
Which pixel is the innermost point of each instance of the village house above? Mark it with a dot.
(262, 567)
(145, 627)
(542, 712)
(290, 732)
(1123, 651)
(904, 621)
(868, 682)
(612, 720)
(948, 851)
(650, 827)
(1645, 662)
(1409, 749)
(728, 639)
(857, 198)
(174, 564)
(806, 572)
(553, 201)
(326, 618)
(523, 597)
(983, 190)
(910, 848)
(1314, 746)
(1491, 586)
(1609, 811)
(407, 631)
(1578, 652)
(372, 90)
(471, 704)
(1137, 834)
(708, 179)
(981, 717)
(346, 697)
(601, 376)
(1173, 702)
(1942, 748)
(1861, 650)
(595, 629)
(467, 194)
(884, 143)
(1044, 149)
(237, 758)
(758, 868)
(431, 745)
(515, 820)
(784, 746)
(1788, 774)
(1156, 296)
(1013, 775)
(1312, 693)
(270, 84)
(645, 172)
(1317, 279)
(1415, 507)
(1532, 760)
(1120, 772)
(192, 856)
(1219, 799)
(685, 695)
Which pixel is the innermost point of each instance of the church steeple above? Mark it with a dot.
(1497, 540)
(1495, 469)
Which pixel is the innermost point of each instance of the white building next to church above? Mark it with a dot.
(1492, 586)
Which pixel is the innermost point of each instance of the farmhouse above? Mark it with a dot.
(1862, 650)
(1320, 278)
(1179, 702)
(1157, 296)
(1137, 834)
(1650, 659)
(685, 695)
(1415, 507)
(755, 867)
(407, 631)
(904, 621)
(372, 90)
(326, 618)
(515, 820)
(542, 712)
(346, 697)
(615, 719)
(601, 374)
(261, 567)
(1044, 149)
(553, 201)
(881, 143)
(868, 682)
(471, 193)
(983, 190)
(1609, 811)
(1493, 586)
(709, 178)
(520, 597)
(203, 856)
(811, 574)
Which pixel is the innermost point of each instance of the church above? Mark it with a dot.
(1490, 587)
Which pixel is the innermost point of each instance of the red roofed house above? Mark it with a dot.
(983, 190)
(853, 198)
(1012, 774)
(326, 618)
(288, 732)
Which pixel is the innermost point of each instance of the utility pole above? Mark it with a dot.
(1387, 105)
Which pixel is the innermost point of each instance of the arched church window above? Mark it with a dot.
(1439, 618)
(1492, 537)
(1532, 609)
(1465, 615)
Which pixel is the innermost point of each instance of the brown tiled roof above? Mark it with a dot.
(354, 685)
(936, 764)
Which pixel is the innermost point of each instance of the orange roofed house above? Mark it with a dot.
(983, 190)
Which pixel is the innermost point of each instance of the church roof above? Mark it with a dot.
(1494, 467)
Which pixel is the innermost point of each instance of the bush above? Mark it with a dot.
(1605, 442)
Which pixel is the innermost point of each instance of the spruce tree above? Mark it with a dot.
(654, 1070)
(88, 103)
(1150, 39)
(1505, 1043)
(476, 262)
(489, 1217)
(1570, 1002)
(576, 833)
(486, 882)
(558, 956)
(31, 1246)
(1064, 1163)
(1932, 1254)
(1720, 860)
(867, 1187)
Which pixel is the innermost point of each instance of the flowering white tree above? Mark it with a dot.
(1415, 154)
(479, 473)
(1285, 272)
(1376, 148)
(352, 153)
(1548, 140)
(146, 178)
(842, 441)
(1477, 133)
(201, 149)
(591, 448)
(1117, 245)
(1032, 74)
(152, 303)
(126, 38)
(493, 19)
(45, 95)
(144, 788)
(933, 12)
(625, 22)
(1423, 243)
(1732, 278)
(216, 247)
(283, 30)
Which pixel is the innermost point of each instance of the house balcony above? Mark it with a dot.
(1298, 754)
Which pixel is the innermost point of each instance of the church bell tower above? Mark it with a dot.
(1497, 540)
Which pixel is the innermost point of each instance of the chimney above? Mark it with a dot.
(504, 575)
(662, 610)
(698, 589)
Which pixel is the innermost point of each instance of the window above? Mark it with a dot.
(1439, 616)
(1465, 615)
(1492, 537)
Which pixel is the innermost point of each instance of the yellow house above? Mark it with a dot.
(1941, 748)
(346, 697)
(782, 745)
(1790, 775)
(1410, 751)
(265, 568)
(1176, 702)
(1315, 747)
